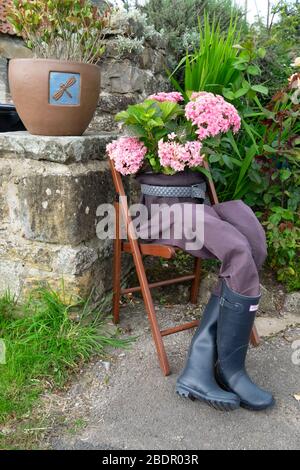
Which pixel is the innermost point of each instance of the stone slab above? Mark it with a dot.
(59, 149)
(13, 48)
(269, 326)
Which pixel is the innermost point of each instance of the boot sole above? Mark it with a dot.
(248, 407)
(219, 405)
(244, 405)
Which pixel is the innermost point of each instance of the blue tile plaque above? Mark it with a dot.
(64, 88)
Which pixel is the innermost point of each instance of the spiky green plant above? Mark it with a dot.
(210, 66)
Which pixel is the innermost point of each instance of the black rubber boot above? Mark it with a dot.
(236, 319)
(198, 377)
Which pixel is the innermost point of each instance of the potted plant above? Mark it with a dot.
(57, 91)
(164, 137)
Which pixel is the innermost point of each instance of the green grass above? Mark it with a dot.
(44, 345)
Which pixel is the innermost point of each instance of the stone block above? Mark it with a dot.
(104, 122)
(53, 258)
(25, 265)
(207, 286)
(13, 48)
(90, 146)
(57, 203)
(267, 302)
(109, 103)
(292, 303)
(20, 280)
(123, 77)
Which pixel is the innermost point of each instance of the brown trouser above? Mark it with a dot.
(232, 234)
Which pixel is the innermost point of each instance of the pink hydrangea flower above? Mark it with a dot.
(178, 156)
(212, 115)
(127, 153)
(174, 97)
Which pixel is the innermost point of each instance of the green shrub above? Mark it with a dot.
(283, 238)
(281, 38)
(178, 19)
(261, 163)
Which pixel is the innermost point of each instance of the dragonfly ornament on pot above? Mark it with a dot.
(63, 88)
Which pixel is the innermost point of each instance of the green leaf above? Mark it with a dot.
(122, 116)
(137, 130)
(255, 177)
(228, 94)
(251, 133)
(253, 70)
(260, 89)
(275, 219)
(157, 122)
(267, 198)
(261, 52)
(169, 109)
(214, 158)
(159, 133)
(241, 92)
(233, 144)
(285, 174)
(251, 152)
(240, 67)
(227, 160)
(269, 149)
(206, 172)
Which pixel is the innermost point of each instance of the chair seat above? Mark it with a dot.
(153, 249)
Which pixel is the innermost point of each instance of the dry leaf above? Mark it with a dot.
(297, 396)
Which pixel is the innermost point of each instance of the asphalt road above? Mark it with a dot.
(132, 406)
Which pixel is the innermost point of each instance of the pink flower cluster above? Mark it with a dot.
(127, 153)
(174, 97)
(177, 156)
(212, 115)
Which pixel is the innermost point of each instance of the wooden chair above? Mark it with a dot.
(138, 250)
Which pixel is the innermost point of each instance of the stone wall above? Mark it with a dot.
(49, 192)
(4, 93)
(131, 69)
(50, 187)
(11, 47)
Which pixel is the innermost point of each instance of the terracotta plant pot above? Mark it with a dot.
(54, 97)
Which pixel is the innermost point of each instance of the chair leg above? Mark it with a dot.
(160, 348)
(147, 297)
(196, 282)
(117, 268)
(255, 339)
